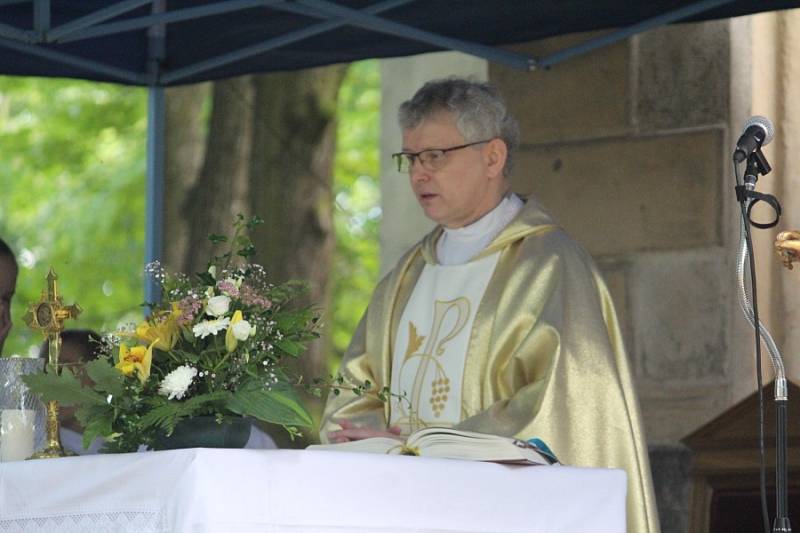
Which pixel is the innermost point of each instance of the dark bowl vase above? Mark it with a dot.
(204, 432)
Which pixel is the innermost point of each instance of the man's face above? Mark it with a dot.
(8, 284)
(466, 187)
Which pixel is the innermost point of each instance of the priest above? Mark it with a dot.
(496, 321)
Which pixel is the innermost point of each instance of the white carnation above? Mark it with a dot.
(242, 330)
(177, 382)
(218, 305)
(210, 327)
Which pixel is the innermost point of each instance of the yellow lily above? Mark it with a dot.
(163, 329)
(230, 340)
(135, 359)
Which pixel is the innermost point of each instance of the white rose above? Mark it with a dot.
(213, 271)
(218, 305)
(242, 330)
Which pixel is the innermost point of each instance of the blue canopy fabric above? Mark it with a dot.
(172, 42)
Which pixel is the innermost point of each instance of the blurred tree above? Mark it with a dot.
(357, 211)
(73, 191)
(73, 196)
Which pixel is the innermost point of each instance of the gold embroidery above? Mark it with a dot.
(414, 341)
(434, 348)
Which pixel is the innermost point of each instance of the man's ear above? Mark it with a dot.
(495, 155)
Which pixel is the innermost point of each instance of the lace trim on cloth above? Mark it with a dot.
(109, 522)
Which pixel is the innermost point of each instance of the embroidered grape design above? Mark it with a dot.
(440, 388)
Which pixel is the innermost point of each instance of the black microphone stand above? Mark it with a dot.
(745, 193)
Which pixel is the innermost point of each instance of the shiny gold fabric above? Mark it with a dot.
(546, 357)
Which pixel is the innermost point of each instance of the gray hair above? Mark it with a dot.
(479, 111)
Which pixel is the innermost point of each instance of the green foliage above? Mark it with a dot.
(357, 202)
(272, 406)
(105, 377)
(183, 362)
(64, 388)
(72, 175)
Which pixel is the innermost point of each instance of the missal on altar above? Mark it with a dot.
(453, 444)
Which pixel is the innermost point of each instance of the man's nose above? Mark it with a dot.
(417, 172)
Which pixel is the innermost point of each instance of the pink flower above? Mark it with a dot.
(251, 297)
(189, 307)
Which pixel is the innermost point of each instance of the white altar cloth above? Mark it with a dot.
(298, 491)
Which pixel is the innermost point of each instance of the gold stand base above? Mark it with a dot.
(54, 448)
(51, 452)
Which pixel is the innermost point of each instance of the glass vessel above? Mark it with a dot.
(22, 415)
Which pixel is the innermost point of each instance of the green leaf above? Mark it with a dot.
(291, 347)
(270, 406)
(205, 278)
(167, 413)
(254, 221)
(164, 416)
(105, 376)
(63, 388)
(98, 426)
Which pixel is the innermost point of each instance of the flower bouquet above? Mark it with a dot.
(215, 346)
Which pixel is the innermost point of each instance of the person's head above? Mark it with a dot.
(78, 346)
(455, 187)
(8, 284)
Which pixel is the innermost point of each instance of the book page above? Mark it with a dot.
(373, 445)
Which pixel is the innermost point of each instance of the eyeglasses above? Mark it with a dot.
(431, 160)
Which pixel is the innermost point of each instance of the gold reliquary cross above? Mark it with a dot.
(48, 316)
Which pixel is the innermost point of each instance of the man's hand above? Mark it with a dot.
(350, 432)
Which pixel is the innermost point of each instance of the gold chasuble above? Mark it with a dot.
(544, 358)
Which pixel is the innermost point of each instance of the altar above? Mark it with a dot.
(281, 491)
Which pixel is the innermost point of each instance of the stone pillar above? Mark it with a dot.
(403, 222)
(781, 30)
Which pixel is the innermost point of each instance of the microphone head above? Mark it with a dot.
(765, 124)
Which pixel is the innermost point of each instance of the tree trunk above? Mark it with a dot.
(184, 139)
(269, 152)
(291, 184)
(218, 194)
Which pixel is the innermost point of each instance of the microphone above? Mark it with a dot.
(758, 132)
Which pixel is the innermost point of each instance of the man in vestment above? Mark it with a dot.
(496, 321)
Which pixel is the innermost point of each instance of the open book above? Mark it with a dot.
(453, 444)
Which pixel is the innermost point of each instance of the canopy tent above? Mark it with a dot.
(160, 43)
(170, 42)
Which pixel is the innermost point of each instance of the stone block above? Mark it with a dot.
(584, 97)
(671, 411)
(677, 301)
(625, 195)
(684, 76)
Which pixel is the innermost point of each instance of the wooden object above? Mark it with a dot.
(725, 470)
